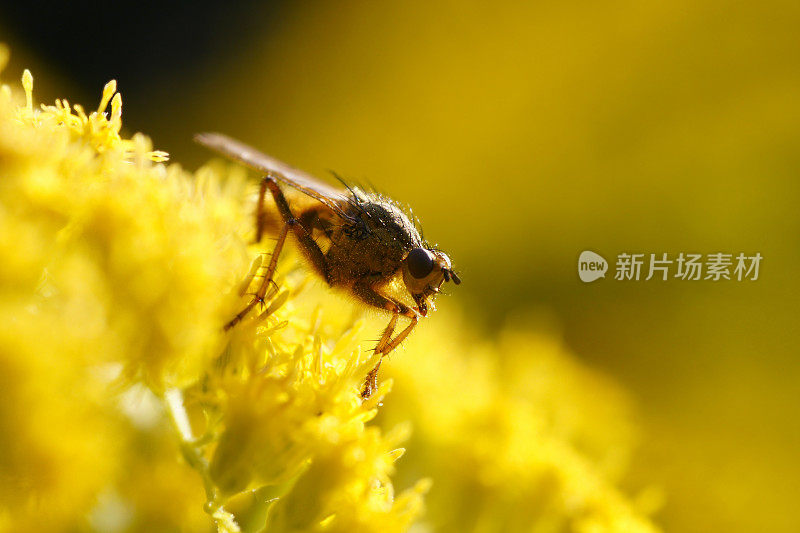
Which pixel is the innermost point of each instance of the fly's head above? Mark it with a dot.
(424, 272)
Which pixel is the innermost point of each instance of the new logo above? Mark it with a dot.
(591, 266)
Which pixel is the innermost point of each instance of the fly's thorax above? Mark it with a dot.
(358, 252)
(373, 240)
(385, 219)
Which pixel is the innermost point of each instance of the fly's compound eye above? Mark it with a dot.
(420, 262)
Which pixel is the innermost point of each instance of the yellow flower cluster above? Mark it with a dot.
(516, 434)
(117, 275)
(124, 406)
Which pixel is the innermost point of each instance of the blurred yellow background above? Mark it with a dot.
(524, 133)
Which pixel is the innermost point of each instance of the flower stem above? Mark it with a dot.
(173, 399)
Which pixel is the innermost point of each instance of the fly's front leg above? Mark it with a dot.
(401, 336)
(371, 383)
(387, 334)
(364, 290)
(384, 347)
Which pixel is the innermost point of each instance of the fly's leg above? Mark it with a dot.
(386, 344)
(387, 334)
(400, 336)
(371, 383)
(384, 347)
(261, 293)
(365, 291)
(308, 244)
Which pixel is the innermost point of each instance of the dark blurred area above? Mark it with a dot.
(523, 135)
(150, 48)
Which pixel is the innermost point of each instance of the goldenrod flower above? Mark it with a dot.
(119, 272)
(513, 433)
(124, 406)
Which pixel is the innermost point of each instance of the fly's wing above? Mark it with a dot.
(249, 156)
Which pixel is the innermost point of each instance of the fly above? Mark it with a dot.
(355, 240)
